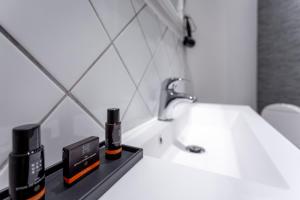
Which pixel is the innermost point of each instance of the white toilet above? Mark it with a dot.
(286, 119)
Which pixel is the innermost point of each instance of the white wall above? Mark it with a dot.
(223, 62)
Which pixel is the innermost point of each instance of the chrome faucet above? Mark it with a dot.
(169, 98)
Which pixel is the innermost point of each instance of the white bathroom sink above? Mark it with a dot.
(230, 142)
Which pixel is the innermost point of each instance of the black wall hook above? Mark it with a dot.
(188, 40)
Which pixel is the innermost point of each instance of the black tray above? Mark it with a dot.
(94, 185)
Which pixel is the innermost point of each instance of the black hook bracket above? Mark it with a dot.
(188, 39)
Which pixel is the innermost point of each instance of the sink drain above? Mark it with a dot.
(195, 149)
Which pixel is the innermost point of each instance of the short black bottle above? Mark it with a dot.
(26, 164)
(113, 147)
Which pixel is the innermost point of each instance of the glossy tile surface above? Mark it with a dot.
(66, 125)
(27, 95)
(106, 85)
(170, 42)
(133, 49)
(162, 62)
(137, 113)
(65, 36)
(115, 14)
(138, 4)
(151, 27)
(72, 42)
(150, 88)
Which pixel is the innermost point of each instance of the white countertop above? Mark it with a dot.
(155, 179)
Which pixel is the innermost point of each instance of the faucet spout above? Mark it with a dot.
(185, 97)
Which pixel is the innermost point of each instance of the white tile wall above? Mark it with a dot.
(115, 14)
(151, 27)
(170, 45)
(162, 62)
(66, 125)
(106, 85)
(94, 55)
(134, 50)
(26, 93)
(136, 114)
(150, 88)
(65, 36)
(138, 4)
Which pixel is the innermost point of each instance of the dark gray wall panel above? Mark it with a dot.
(278, 52)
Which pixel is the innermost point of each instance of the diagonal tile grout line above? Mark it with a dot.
(144, 34)
(52, 109)
(128, 23)
(90, 67)
(82, 106)
(117, 36)
(105, 50)
(129, 103)
(144, 73)
(135, 85)
(125, 66)
(153, 54)
(109, 45)
(160, 45)
(118, 53)
(68, 92)
(150, 60)
(135, 10)
(112, 40)
(147, 68)
(50, 76)
(122, 29)
(32, 58)
(156, 50)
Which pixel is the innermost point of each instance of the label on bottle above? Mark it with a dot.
(26, 174)
(113, 136)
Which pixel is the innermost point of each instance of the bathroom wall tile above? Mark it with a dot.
(177, 64)
(65, 36)
(170, 41)
(138, 4)
(134, 50)
(27, 95)
(185, 70)
(150, 88)
(136, 114)
(66, 125)
(162, 62)
(162, 26)
(106, 85)
(151, 27)
(115, 14)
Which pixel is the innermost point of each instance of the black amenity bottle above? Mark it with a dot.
(113, 148)
(26, 164)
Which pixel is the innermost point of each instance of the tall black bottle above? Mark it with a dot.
(113, 148)
(26, 164)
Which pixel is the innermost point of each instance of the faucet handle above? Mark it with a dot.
(168, 82)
